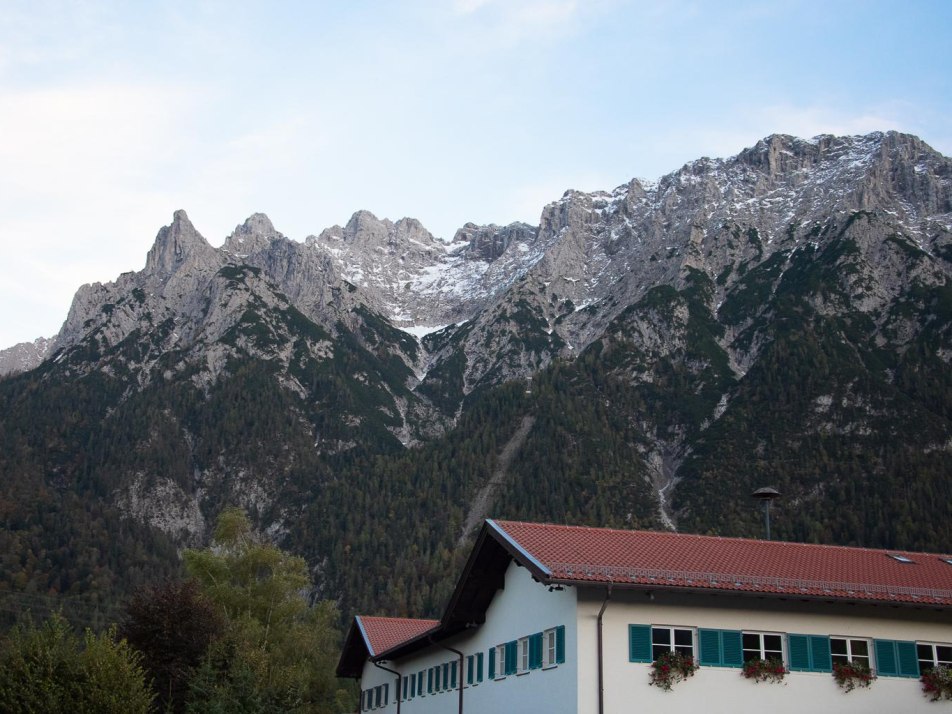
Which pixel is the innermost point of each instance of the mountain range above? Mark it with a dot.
(644, 357)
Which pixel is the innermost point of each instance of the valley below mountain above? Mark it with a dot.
(645, 357)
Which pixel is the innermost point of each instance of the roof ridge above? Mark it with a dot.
(736, 539)
(396, 619)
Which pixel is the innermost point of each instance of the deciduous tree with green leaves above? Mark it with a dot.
(278, 652)
(51, 669)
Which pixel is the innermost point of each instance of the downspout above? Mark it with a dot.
(461, 672)
(399, 680)
(601, 674)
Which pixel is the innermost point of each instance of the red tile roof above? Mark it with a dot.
(600, 555)
(383, 633)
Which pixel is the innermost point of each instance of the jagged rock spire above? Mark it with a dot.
(175, 245)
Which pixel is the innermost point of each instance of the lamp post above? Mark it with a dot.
(766, 494)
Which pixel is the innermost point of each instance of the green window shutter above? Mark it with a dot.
(887, 661)
(479, 666)
(429, 681)
(469, 669)
(639, 643)
(453, 669)
(709, 646)
(820, 653)
(908, 660)
(896, 658)
(535, 651)
(733, 651)
(419, 686)
(511, 653)
(560, 644)
(720, 648)
(809, 653)
(798, 647)
(492, 662)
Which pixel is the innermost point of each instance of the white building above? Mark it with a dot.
(569, 619)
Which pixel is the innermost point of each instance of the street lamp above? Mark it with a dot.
(766, 494)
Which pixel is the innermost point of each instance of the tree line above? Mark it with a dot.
(239, 634)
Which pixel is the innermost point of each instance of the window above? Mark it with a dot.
(498, 654)
(536, 651)
(762, 645)
(523, 661)
(671, 639)
(844, 650)
(436, 679)
(378, 694)
(932, 655)
(901, 558)
(474, 669)
(419, 683)
(549, 648)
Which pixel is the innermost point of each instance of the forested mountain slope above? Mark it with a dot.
(645, 357)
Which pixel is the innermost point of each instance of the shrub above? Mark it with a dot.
(50, 669)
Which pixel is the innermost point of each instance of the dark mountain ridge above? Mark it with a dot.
(646, 357)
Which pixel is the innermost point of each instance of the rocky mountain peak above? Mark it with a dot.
(364, 225)
(24, 356)
(252, 236)
(489, 242)
(175, 245)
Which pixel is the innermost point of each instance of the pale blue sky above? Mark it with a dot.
(114, 114)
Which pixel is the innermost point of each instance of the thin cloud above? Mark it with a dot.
(511, 21)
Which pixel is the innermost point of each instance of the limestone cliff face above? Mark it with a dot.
(521, 296)
(720, 218)
(24, 356)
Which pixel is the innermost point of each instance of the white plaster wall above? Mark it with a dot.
(522, 608)
(713, 690)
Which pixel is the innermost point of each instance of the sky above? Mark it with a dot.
(116, 113)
